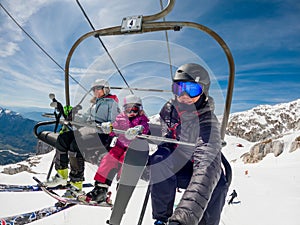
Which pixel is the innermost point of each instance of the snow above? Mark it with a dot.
(268, 195)
(12, 152)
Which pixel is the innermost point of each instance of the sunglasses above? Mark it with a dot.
(191, 88)
(98, 88)
(132, 108)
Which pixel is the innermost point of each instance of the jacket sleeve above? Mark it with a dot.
(206, 173)
(144, 122)
(113, 110)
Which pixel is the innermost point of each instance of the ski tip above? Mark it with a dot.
(40, 183)
(36, 179)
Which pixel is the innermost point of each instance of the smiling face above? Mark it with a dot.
(186, 99)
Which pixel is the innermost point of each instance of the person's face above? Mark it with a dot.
(187, 92)
(131, 110)
(98, 91)
(185, 99)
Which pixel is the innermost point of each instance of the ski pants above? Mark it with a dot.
(163, 191)
(68, 151)
(110, 164)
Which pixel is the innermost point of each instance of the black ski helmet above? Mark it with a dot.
(195, 73)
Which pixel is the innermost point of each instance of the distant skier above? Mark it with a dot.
(233, 196)
(189, 117)
(69, 149)
(134, 121)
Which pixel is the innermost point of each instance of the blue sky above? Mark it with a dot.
(262, 35)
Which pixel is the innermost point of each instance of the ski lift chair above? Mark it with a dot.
(145, 24)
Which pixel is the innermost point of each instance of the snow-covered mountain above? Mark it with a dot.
(265, 121)
(267, 126)
(17, 140)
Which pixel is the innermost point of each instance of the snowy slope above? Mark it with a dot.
(268, 195)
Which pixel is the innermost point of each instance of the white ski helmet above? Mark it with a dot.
(132, 99)
(195, 73)
(102, 82)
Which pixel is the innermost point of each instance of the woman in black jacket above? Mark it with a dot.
(189, 117)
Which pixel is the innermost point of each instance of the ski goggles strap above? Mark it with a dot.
(193, 89)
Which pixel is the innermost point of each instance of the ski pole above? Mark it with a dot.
(51, 168)
(142, 214)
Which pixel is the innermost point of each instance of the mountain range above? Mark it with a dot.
(263, 125)
(267, 127)
(17, 141)
(268, 191)
(265, 121)
(267, 187)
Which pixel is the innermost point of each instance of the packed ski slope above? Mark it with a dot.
(268, 195)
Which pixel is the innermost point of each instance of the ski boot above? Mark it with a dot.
(159, 222)
(60, 179)
(98, 194)
(74, 190)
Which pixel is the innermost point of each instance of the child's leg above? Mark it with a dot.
(109, 163)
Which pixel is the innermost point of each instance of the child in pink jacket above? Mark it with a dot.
(131, 117)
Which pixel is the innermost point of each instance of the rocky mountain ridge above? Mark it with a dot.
(265, 125)
(265, 121)
(17, 141)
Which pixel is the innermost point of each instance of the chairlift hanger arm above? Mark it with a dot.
(163, 26)
(161, 14)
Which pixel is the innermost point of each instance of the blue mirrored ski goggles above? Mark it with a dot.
(191, 88)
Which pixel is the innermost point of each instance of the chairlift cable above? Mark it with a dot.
(168, 45)
(38, 45)
(90, 23)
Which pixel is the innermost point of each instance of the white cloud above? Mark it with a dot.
(10, 48)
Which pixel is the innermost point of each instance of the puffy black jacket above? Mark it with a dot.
(196, 124)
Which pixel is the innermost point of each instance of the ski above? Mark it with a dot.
(134, 163)
(29, 217)
(77, 200)
(25, 188)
